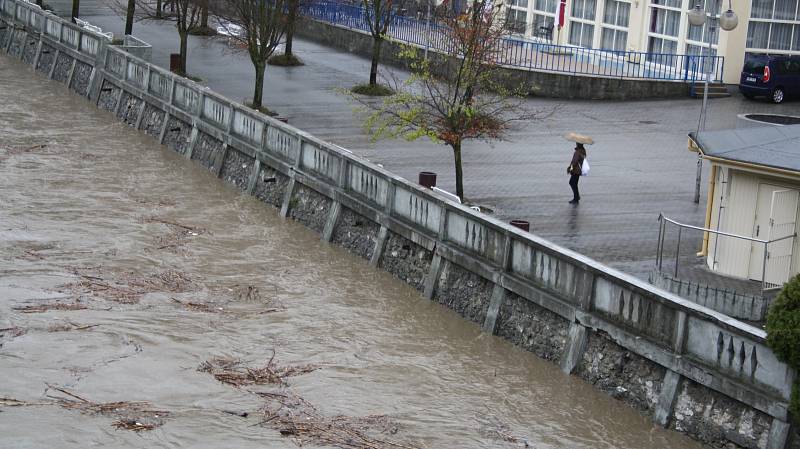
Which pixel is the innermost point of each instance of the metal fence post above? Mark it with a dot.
(678, 251)
(764, 269)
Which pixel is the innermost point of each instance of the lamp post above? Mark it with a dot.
(728, 20)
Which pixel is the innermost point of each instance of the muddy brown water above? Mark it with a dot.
(82, 201)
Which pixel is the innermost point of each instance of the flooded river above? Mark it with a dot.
(168, 268)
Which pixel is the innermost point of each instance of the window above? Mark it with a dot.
(658, 45)
(665, 21)
(616, 13)
(546, 6)
(773, 36)
(614, 35)
(701, 34)
(785, 10)
(581, 34)
(707, 63)
(780, 36)
(662, 51)
(757, 34)
(516, 21)
(612, 39)
(583, 9)
(540, 21)
(774, 25)
(668, 3)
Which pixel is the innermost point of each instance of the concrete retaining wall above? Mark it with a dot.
(540, 83)
(689, 367)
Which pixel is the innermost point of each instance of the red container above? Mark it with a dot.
(427, 179)
(174, 62)
(522, 224)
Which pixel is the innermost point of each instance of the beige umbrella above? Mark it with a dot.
(579, 138)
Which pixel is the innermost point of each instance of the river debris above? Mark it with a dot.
(295, 417)
(126, 287)
(491, 426)
(234, 372)
(161, 202)
(135, 416)
(12, 332)
(179, 234)
(41, 308)
(198, 306)
(15, 151)
(69, 326)
(37, 254)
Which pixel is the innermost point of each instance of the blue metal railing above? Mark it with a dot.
(532, 55)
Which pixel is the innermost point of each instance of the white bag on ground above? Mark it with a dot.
(585, 167)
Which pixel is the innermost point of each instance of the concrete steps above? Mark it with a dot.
(715, 90)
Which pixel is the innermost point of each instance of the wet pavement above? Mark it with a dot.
(98, 215)
(640, 163)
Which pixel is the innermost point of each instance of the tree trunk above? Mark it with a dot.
(292, 19)
(129, 17)
(158, 9)
(184, 41)
(204, 15)
(376, 56)
(76, 6)
(459, 172)
(258, 92)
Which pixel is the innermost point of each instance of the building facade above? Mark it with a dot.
(662, 27)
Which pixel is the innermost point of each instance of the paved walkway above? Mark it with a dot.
(640, 164)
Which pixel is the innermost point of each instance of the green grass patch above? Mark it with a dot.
(285, 60)
(261, 109)
(372, 90)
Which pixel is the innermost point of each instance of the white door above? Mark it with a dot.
(782, 223)
(761, 229)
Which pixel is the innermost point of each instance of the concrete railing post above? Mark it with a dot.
(667, 398)
(576, 345)
(253, 180)
(498, 292)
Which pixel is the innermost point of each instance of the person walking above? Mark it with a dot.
(575, 170)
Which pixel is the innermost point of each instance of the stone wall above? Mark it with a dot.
(237, 168)
(47, 57)
(356, 233)
(642, 345)
(406, 260)
(206, 150)
(177, 134)
(81, 77)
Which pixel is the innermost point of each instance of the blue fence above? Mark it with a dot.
(532, 55)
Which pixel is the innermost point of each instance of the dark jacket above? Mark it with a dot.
(577, 162)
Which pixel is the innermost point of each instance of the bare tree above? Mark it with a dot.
(291, 22)
(378, 15)
(454, 96)
(187, 17)
(288, 58)
(263, 23)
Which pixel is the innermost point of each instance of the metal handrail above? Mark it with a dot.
(661, 216)
(661, 234)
